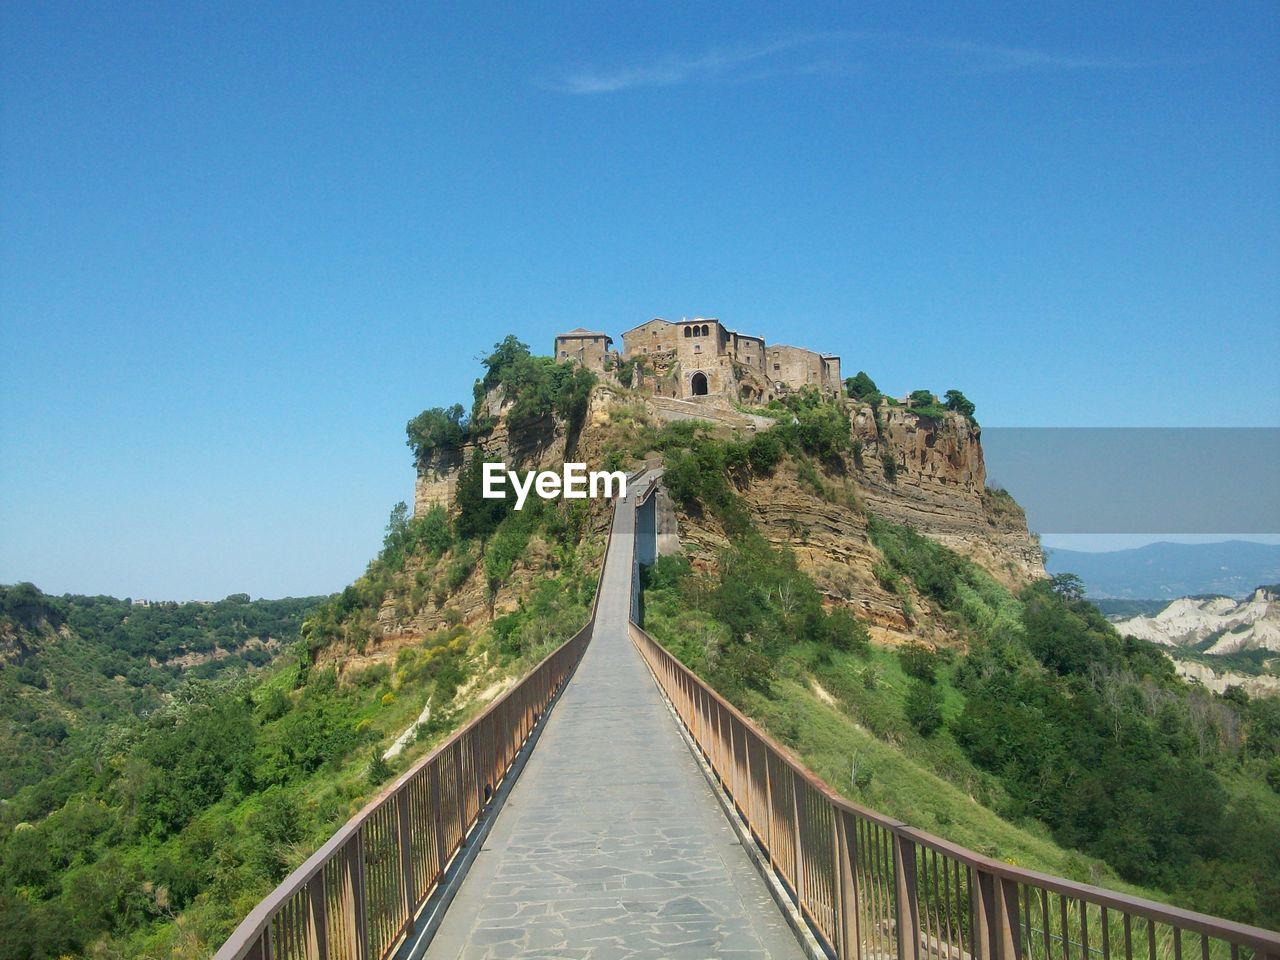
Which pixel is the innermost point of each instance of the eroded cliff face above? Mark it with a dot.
(936, 485)
(939, 487)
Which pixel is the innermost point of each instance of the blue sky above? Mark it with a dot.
(240, 245)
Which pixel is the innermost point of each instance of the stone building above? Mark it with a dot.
(588, 347)
(702, 357)
(795, 368)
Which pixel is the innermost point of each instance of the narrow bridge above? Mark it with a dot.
(635, 813)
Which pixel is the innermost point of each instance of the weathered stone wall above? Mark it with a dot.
(656, 336)
(832, 382)
(747, 350)
(589, 350)
(796, 368)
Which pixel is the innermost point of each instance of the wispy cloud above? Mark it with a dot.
(830, 53)
(670, 71)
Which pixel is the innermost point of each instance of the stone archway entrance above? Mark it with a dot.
(698, 384)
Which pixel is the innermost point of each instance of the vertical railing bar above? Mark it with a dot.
(946, 899)
(1046, 915)
(926, 887)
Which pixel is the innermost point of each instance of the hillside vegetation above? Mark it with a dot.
(71, 665)
(1035, 734)
(150, 800)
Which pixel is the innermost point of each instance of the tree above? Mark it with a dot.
(919, 661)
(397, 525)
(922, 398)
(1068, 586)
(477, 516)
(861, 387)
(957, 401)
(436, 429)
(845, 632)
(506, 353)
(924, 707)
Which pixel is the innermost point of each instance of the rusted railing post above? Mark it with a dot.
(907, 908)
(846, 889)
(995, 912)
(404, 847)
(1008, 930)
(317, 919)
(352, 872)
(798, 858)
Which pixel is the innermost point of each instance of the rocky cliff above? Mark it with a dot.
(938, 486)
(925, 472)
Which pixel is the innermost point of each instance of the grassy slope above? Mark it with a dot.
(926, 782)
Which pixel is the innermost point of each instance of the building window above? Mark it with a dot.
(777, 366)
(688, 331)
(564, 353)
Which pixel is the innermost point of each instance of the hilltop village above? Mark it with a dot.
(699, 358)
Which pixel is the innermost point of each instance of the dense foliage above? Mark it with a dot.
(1094, 735)
(861, 387)
(535, 388)
(70, 664)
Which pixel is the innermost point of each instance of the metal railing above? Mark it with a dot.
(356, 897)
(874, 889)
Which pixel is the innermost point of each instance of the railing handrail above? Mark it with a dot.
(251, 929)
(1265, 941)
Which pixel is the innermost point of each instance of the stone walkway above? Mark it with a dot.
(611, 844)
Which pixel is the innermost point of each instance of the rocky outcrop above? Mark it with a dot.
(937, 484)
(1220, 681)
(925, 472)
(1220, 624)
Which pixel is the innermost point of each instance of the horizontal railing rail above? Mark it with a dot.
(356, 897)
(873, 888)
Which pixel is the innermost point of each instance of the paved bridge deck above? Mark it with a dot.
(611, 843)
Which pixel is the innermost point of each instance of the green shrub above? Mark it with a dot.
(861, 387)
(764, 452)
(923, 707)
(436, 429)
(919, 661)
(845, 632)
(379, 770)
(957, 401)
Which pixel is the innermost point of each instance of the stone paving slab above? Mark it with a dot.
(611, 844)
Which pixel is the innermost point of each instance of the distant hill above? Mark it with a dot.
(1164, 571)
(1214, 625)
